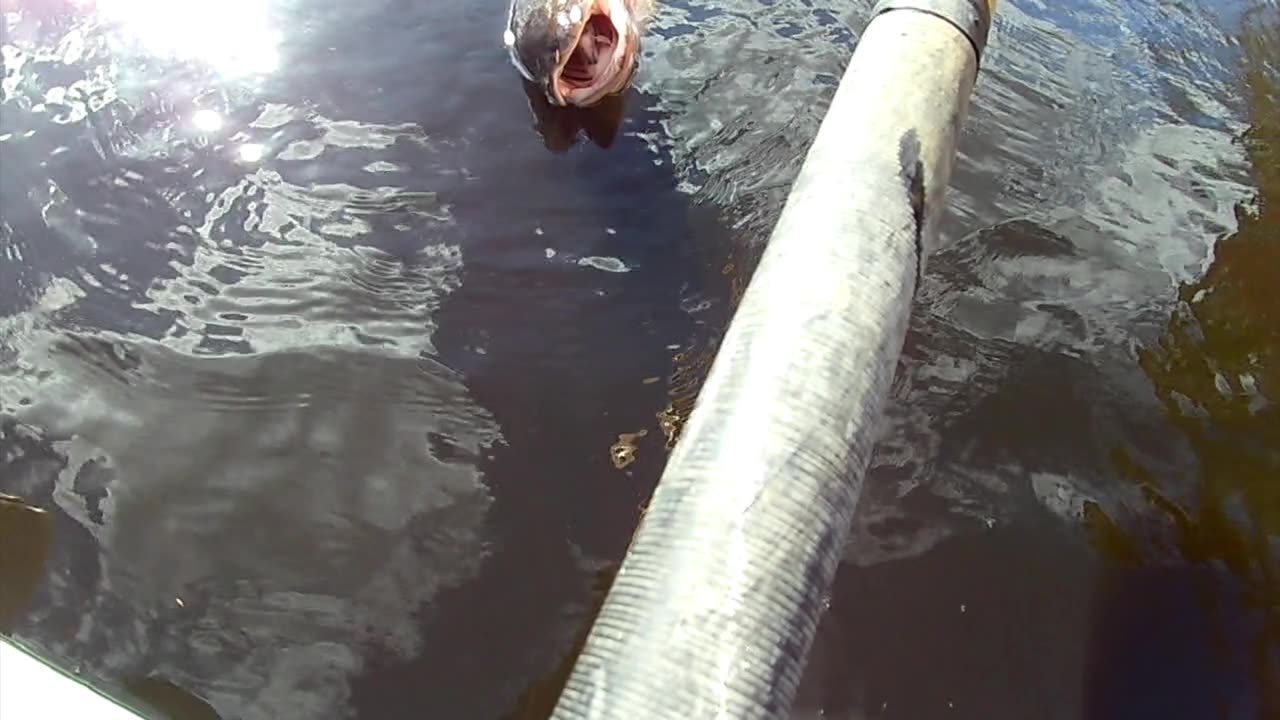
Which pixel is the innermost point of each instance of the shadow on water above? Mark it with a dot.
(561, 128)
(1211, 564)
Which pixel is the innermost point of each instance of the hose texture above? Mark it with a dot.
(714, 608)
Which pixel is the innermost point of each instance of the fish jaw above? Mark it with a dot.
(578, 51)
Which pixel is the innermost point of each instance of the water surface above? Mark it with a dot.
(344, 385)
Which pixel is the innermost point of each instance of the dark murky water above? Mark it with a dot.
(324, 365)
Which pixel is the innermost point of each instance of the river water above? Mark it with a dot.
(344, 372)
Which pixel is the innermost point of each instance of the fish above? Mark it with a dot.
(560, 127)
(576, 52)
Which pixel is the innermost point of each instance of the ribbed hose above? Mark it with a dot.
(715, 606)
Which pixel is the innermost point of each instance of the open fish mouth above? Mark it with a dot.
(602, 60)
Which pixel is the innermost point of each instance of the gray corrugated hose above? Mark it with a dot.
(714, 608)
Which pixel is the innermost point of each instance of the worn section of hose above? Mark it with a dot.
(713, 610)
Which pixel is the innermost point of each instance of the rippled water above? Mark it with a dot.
(345, 385)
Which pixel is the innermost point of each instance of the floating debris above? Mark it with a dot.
(607, 264)
(623, 452)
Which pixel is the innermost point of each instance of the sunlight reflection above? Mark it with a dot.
(233, 36)
(251, 152)
(207, 120)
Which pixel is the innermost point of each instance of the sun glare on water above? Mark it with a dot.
(235, 37)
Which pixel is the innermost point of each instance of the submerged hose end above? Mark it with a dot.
(971, 17)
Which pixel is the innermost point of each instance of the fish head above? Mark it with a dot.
(577, 51)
